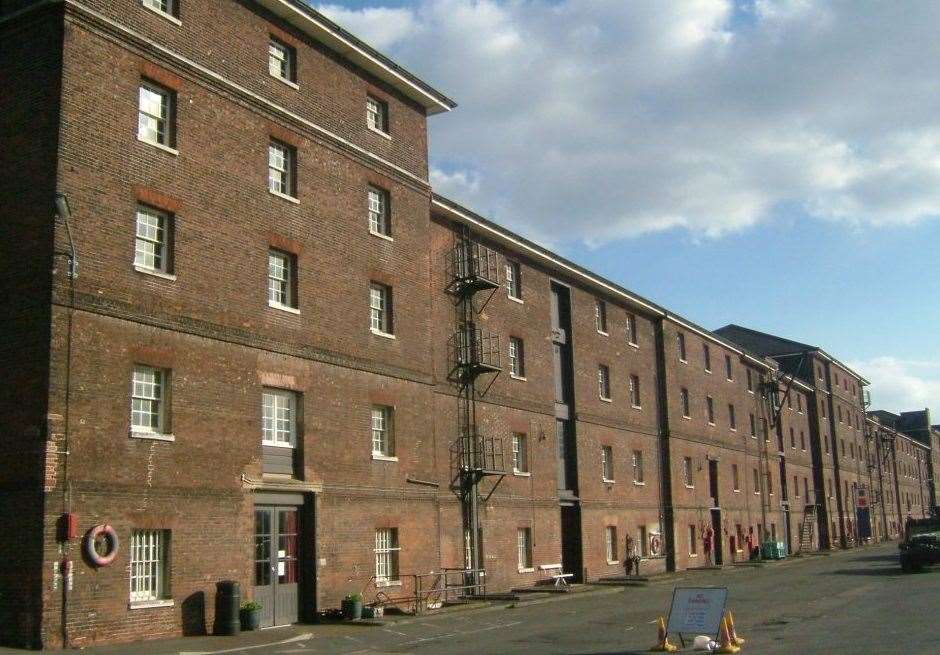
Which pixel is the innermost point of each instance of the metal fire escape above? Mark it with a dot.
(473, 356)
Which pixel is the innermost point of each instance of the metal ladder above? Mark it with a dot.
(807, 528)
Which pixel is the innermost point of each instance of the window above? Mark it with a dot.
(379, 222)
(603, 382)
(710, 407)
(729, 369)
(155, 115)
(167, 7)
(644, 542)
(635, 391)
(148, 555)
(826, 442)
(789, 401)
(282, 165)
(386, 555)
(680, 346)
(822, 407)
(607, 463)
(687, 472)
(153, 237)
(281, 279)
(638, 476)
(377, 115)
(770, 484)
(750, 381)
(732, 420)
(520, 453)
(753, 422)
(739, 537)
(279, 418)
(839, 409)
(799, 403)
(796, 487)
(735, 480)
(380, 308)
(600, 316)
(611, 543)
(707, 357)
(148, 406)
(383, 442)
(792, 438)
(806, 489)
(756, 482)
(802, 440)
(632, 338)
(282, 60)
(524, 548)
(514, 280)
(686, 405)
(819, 373)
(516, 358)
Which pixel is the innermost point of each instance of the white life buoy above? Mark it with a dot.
(91, 539)
(655, 544)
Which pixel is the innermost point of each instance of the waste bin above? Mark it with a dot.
(228, 600)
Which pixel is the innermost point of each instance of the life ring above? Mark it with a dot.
(106, 531)
(655, 544)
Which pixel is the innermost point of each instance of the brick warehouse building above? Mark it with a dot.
(284, 441)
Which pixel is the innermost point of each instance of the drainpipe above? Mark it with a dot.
(665, 459)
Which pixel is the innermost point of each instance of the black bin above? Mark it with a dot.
(228, 601)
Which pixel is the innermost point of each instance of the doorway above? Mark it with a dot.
(277, 569)
(716, 529)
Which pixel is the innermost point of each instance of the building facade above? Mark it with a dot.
(252, 344)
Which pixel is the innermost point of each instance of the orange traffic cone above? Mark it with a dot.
(662, 640)
(725, 645)
(735, 639)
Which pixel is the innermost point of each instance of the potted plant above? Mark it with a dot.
(251, 615)
(352, 607)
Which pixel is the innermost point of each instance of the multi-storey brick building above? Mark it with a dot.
(251, 342)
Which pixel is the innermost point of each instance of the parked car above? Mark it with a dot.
(921, 545)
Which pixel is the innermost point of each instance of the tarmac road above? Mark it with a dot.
(848, 602)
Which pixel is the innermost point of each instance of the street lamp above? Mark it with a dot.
(64, 212)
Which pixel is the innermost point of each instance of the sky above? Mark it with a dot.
(774, 164)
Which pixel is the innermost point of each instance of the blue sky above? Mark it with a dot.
(773, 163)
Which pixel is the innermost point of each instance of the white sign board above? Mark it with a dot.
(697, 610)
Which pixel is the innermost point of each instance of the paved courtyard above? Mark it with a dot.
(847, 602)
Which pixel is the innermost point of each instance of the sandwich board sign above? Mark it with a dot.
(697, 610)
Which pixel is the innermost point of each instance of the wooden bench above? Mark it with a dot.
(555, 572)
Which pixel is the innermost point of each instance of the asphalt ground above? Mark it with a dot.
(848, 602)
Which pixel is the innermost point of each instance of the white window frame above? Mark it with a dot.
(732, 418)
(382, 428)
(520, 453)
(149, 392)
(635, 400)
(281, 166)
(152, 238)
(707, 357)
(607, 464)
(379, 215)
(600, 316)
(278, 418)
(281, 279)
(735, 479)
(686, 401)
(166, 8)
(516, 358)
(387, 554)
(524, 550)
(603, 382)
(639, 475)
(377, 115)
(710, 409)
(729, 369)
(380, 309)
(687, 473)
(681, 348)
(610, 543)
(631, 330)
(148, 555)
(282, 61)
(693, 541)
(157, 129)
(514, 280)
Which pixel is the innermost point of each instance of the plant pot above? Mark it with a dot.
(352, 610)
(251, 619)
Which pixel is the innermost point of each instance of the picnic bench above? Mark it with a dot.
(556, 574)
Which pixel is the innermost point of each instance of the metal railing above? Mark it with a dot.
(475, 452)
(420, 592)
(471, 264)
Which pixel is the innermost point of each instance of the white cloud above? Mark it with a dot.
(603, 119)
(899, 385)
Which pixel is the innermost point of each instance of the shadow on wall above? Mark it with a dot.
(194, 614)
